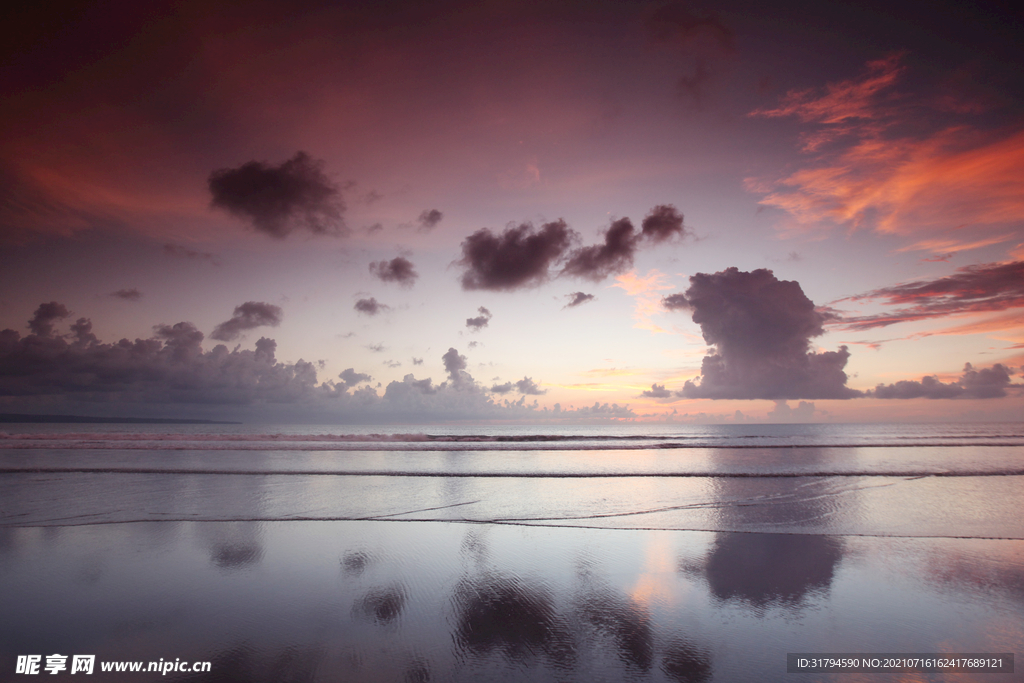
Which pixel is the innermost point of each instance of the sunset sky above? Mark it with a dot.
(573, 211)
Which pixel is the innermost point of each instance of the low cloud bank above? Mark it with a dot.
(172, 374)
(985, 383)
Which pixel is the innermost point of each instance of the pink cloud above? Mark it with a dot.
(879, 165)
(974, 289)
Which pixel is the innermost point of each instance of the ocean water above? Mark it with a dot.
(509, 553)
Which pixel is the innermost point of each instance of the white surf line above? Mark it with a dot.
(840, 534)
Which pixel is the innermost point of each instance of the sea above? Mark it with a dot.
(621, 552)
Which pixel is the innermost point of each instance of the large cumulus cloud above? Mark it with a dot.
(276, 200)
(760, 328)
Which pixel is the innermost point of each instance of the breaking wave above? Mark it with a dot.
(422, 441)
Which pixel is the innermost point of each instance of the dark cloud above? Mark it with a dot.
(429, 219)
(42, 321)
(398, 269)
(522, 257)
(663, 222)
(985, 383)
(170, 367)
(577, 299)
(614, 256)
(658, 391)
(417, 361)
(250, 315)
(501, 388)
(455, 366)
(351, 378)
(127, 294)
(179, 251)
(528, 387)
(279, 199)
(761, 329)
(370, 306)
(478, 323)
(518, 257)
(977, 288)
(82, 332)
(675, 302)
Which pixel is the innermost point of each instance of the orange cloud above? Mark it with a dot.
(646, 290)
(842, 101)
(878, 176)
(974, 289)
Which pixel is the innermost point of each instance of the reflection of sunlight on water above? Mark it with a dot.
(658, 582)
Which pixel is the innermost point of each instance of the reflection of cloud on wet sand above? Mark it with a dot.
(498, 613)
(626, 624)
(771, 569)
(233, 545)
(236, 555)
(382, 605)
(355, 562)
(523, 621)
(986, 568)
(765, 569)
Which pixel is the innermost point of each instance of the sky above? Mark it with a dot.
(509, 211)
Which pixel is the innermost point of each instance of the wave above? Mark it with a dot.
(421, 441)
(526, 474)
